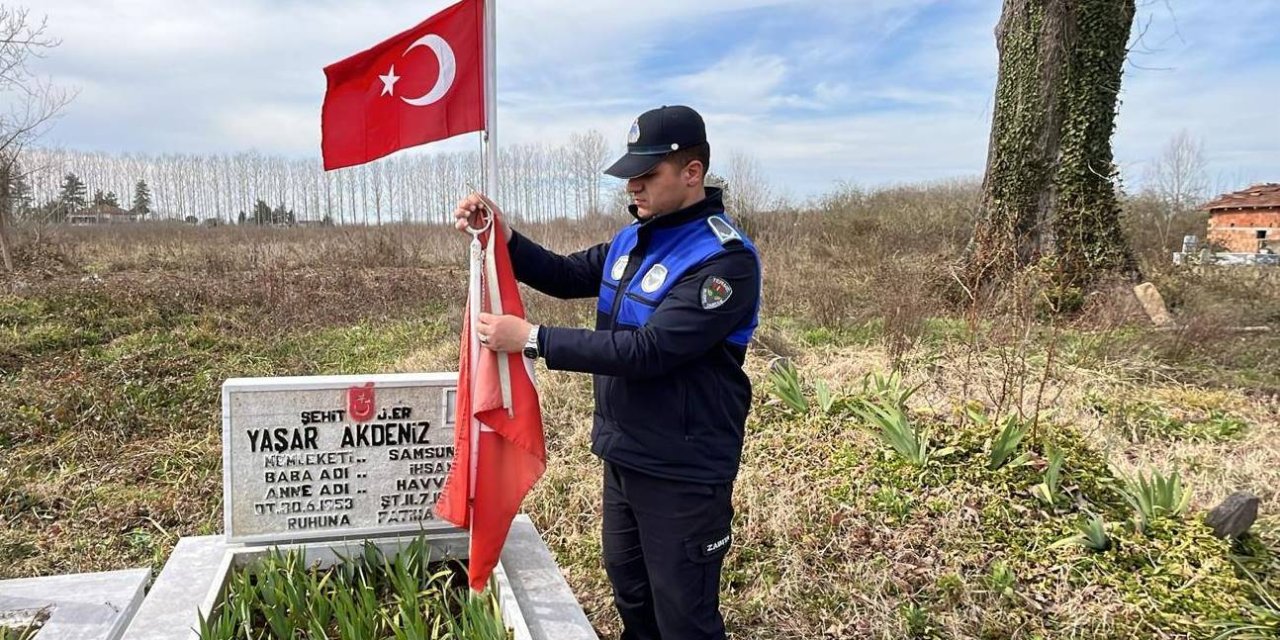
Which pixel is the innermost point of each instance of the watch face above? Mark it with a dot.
(531, 353)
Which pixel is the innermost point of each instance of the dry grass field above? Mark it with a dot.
(113, 344)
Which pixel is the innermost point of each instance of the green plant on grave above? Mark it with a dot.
(1093, 536)
(826, 399)
(370, 595)
(882, 389)
(785, 383)
(1155, 497)
(1002, 447)
(895, 428)
(1265, 623)
(1047, 490)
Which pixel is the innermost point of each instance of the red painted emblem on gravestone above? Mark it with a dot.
(360, 405)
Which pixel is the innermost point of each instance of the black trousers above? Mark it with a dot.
(664, 544)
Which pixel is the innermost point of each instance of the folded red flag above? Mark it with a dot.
(422, 85)
(511, 452)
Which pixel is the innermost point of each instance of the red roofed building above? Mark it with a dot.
(102, 214)
(1246, 221)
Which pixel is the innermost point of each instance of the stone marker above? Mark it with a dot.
(81, 606)
(328, 457)
(1234, 516)
(1153, 304)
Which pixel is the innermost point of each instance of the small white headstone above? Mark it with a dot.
(327, 457)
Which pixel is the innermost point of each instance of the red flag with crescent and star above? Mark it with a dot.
(422, 85)
(497, 414)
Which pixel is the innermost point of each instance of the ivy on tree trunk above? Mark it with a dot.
(1048, 193)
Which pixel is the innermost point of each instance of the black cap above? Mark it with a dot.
(654, 134)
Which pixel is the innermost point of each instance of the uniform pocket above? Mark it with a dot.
(708, 548)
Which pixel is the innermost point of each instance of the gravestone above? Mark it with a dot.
(323, 463)
(327, 457)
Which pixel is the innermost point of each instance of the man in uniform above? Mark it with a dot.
(678, 295)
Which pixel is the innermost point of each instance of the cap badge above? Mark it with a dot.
(634, 135)
(654, 279)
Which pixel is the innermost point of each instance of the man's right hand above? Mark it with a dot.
(470, 213)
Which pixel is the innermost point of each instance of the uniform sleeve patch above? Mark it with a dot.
(715, 292)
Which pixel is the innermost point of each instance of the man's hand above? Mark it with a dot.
(470, 214)
(504, 334)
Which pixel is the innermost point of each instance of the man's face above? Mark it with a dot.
(661, 191)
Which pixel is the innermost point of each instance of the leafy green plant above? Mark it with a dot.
(896, 429)
(1265, 624)
(1155, 497)
(367, 596)
(786, 386)
(1005, 443)
(1047, 490)
(826, 399)
(916, 619)
(1002, 579)
(887, 390)
(1093, 536)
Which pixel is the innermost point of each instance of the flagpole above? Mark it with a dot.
(490, 137)
(489, 171)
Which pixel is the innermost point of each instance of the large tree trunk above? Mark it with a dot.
(1047, 190)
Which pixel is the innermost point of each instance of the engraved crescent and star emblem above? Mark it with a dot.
(448, 71)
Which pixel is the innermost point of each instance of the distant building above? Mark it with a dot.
(1246, 221)
(102, 214)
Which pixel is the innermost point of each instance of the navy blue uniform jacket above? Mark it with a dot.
(671, 397)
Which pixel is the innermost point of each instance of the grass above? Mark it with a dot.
(109, 425)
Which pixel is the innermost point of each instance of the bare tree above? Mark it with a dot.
(1179, 181)
(33, 104)
(589, 157)
(746, 190)
(1179, 175)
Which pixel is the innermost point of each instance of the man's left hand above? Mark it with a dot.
(505, 334)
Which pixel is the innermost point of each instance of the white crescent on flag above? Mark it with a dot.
(448, 69)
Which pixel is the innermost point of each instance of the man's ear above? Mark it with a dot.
(694, 172)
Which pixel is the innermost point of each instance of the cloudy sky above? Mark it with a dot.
(865, 91)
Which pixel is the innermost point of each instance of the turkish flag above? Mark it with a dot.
(421, 85)
(510, 452)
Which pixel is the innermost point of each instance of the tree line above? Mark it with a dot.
(537, 182)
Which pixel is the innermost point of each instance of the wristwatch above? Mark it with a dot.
(531, 345)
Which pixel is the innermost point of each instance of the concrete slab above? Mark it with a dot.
(170, 608)
(82, 606)
(547, 603)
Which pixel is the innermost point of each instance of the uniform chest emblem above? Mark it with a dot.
(619, 268)
(654, 279)
(715, 292)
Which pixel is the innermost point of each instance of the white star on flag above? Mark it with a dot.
(388, 81)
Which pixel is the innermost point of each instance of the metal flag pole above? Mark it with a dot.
(489, 169)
